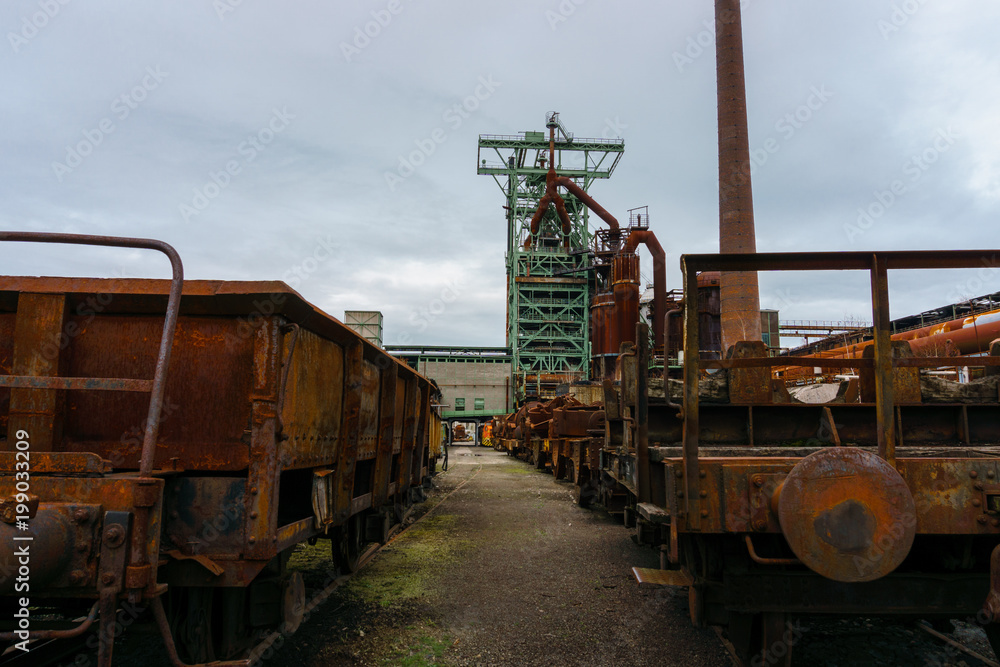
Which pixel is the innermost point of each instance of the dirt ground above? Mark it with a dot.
(506, 570)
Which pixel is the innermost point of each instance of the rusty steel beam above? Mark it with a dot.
(642, 414)
(884, 394)
(759, 362)
(104, 384)
(740, 298)
(350, 435)
(420, 435)
(692, 510)
(264, 464)
(387, 420)
(843, 261)
(858, 362)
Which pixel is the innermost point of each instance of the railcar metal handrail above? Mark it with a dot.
(157, 385)
(877, 264)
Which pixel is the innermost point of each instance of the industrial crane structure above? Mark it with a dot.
(548, 245)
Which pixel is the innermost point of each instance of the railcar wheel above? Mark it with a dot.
(293, 602)
(347, 545)
(235, 635)
(195, 628)
(209, 623)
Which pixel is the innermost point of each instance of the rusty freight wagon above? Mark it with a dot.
(180, 476)
(769, 508)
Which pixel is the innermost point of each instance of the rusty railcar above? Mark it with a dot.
(271, 423)
(768, 509)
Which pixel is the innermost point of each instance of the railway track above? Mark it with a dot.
(81, 649)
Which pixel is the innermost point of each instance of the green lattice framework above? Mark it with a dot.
(547, 292)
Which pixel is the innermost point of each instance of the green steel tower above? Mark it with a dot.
(548, 285)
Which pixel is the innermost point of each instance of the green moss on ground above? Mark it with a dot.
(425, 649)
(406, 570)
(517, 470)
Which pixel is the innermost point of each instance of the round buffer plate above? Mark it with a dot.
(847, 514)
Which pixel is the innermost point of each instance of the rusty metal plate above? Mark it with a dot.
(650, 577)
(749, 385)
(368, 422)
(847, 514)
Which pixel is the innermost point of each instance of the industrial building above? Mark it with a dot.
(474, 381)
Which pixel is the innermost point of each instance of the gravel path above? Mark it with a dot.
(545, 582)
(506, 570)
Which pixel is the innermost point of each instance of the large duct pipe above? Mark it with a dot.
(589, 201)
(646, 237)
(551, 195)
(967, 335)
(740, 295)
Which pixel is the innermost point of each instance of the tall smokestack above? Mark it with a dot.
(740, 296)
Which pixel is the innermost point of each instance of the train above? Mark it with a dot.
(765, 508)
(168, 443)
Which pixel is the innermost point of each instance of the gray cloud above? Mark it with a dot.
(356, 113)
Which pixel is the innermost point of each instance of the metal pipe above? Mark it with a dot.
(739, 293)
(552, 196)
(767, 561)
(969, 335)
(648, 238)
(589, 201)
(57, 634)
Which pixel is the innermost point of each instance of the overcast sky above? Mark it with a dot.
(263, 140)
